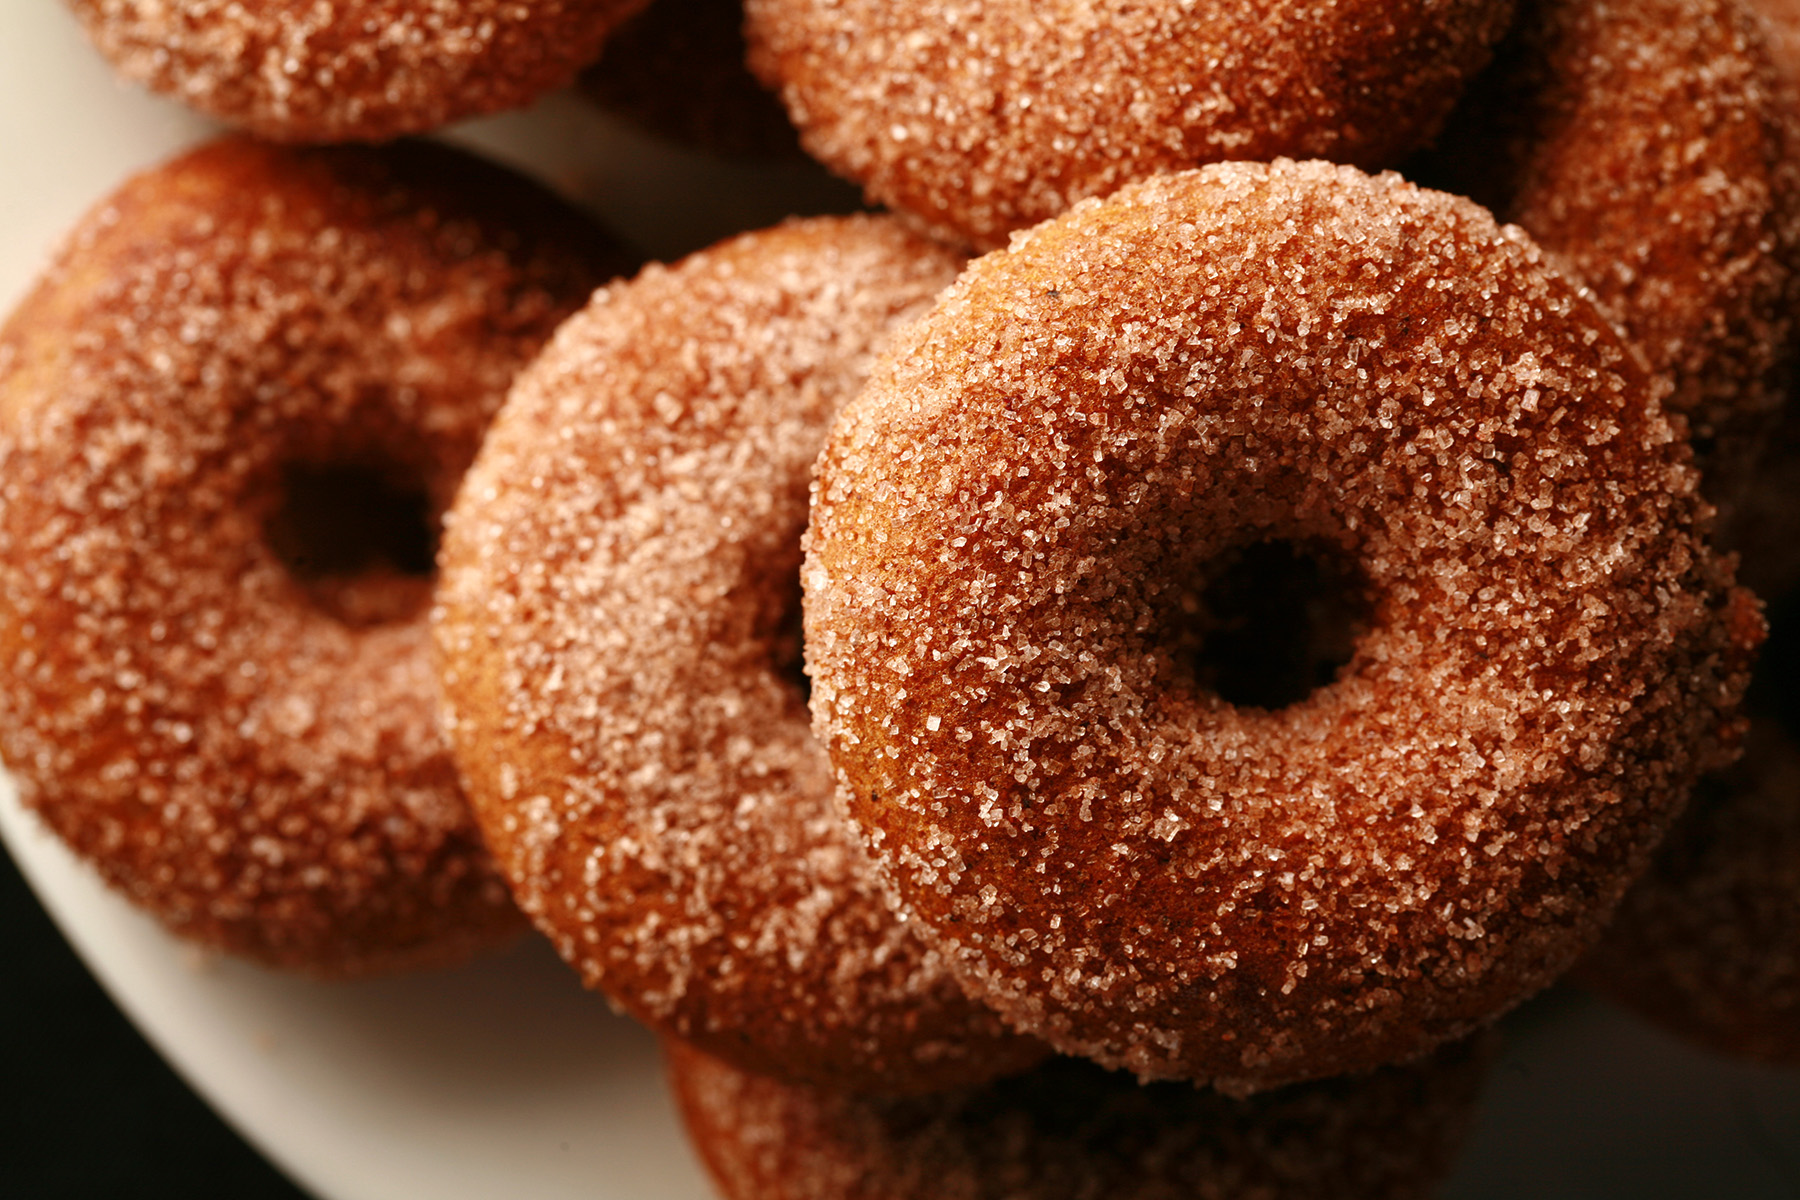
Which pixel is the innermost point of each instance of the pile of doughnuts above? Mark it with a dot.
(829, 647)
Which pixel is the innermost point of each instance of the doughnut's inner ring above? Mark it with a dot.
(358, 535)
(1271, 622)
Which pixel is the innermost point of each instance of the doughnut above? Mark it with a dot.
(618, 622)
(980, 118)
(1648, 149)
(228, 413)
(1069, 1130)
(1707, 943)
(1008, 530)
(1781, 22)
(677, 70)
(358, 70)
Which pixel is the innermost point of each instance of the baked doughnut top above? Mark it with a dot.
(1011, 526)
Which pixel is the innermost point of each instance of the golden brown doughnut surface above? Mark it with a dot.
(619, 630)
(983, 117)
(1649, 149)
(1069, 1130)
(1781, 19)
(239, 730)
(1009, 529)
(356, 70)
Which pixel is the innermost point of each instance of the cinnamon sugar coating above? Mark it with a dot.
(677, 69)
(356, 70)
(253, 755)
(1072, 1131)
(1781, 22)
(1011, 523)
(980, 117)
(1707, 942)
(618, 624)
(1649, 148)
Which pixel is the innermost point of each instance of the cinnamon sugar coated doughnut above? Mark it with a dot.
(209, 694)
(619, 627)
(1009, 529)
(982, 117)
(356, 70)
(1072, 1131)
(1649, 148)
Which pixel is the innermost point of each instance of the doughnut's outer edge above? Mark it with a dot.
(1071, 1131)
(384, 869)
(1258, 1013)
(619, 574)
(980, 118)
(1706, 943)
(357, 70)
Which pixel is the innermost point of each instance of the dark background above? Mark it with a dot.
(90, 1109)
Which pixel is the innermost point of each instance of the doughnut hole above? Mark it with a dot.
(770, 603)
(358, 536)
(1272, 622)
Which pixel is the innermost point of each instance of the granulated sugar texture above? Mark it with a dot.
(1009, 528)
(619, 627)
(983, 117)
(1707, 942)
(1648, 148)
(262, 774)
(353, 70)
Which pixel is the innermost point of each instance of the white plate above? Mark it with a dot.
(504, 1077)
